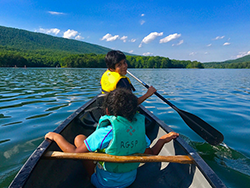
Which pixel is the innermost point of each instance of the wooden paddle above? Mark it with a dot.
(202, 128)
(142, 158)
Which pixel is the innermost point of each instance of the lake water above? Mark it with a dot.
(34, 101)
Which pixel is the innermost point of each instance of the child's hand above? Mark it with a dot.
(151, 91)
(50, 135)
(170, 136)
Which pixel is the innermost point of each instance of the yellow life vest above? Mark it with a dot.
(109, 81)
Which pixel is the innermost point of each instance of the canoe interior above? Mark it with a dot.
(71, 173)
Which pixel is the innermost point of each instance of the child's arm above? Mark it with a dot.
(155, 150)
(151, 91)
(64, 145)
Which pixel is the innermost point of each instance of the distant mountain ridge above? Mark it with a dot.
(27, 40)
(243, 62)
(238, 60)
(38, 49)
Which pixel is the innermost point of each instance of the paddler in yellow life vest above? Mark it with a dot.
(115, 77)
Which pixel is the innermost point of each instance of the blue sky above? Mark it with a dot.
(201, 30)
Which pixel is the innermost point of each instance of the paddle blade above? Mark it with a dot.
(202, 128)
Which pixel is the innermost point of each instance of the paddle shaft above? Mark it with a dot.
(157, 94)
(202, 128)
(141, 158)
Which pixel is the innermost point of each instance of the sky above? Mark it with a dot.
(196, 30)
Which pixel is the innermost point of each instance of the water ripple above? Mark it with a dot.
(34, 101)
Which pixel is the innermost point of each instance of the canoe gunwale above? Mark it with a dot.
(24, 173)
(208, 173)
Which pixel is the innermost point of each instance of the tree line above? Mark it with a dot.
(48, 58)
(240, 65)
(19, 48)
(52, 59)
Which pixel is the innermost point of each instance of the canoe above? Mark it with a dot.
(39, 171)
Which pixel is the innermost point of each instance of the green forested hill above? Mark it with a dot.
(24, 48)
(243, 62)
(26, 40)
(240, 60)
(20, 47)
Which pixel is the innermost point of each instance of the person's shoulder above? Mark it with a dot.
(106, 71)
(101, 132)
(123, 82)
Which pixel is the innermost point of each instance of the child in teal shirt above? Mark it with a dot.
(120, 132)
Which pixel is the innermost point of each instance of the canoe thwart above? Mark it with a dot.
(142, 158)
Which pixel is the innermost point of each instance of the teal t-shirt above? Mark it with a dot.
(99, 140)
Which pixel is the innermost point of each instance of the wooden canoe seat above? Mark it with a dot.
(142, 158)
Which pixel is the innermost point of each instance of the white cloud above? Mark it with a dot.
(78, 37)
(131, 51)
(218, 37)
(209, 45)
(142, 22)
(69, 34)
(152, 36)
(241, 54)
(132, 40)
(55, 13)
(170, 37)
(179, 43)
(124, 38)
(226, 44)
(48, 31)
(109, 37)
(147, 54)
(193, 53)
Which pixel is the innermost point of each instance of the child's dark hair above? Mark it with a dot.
(113, 57)
(121, 102)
